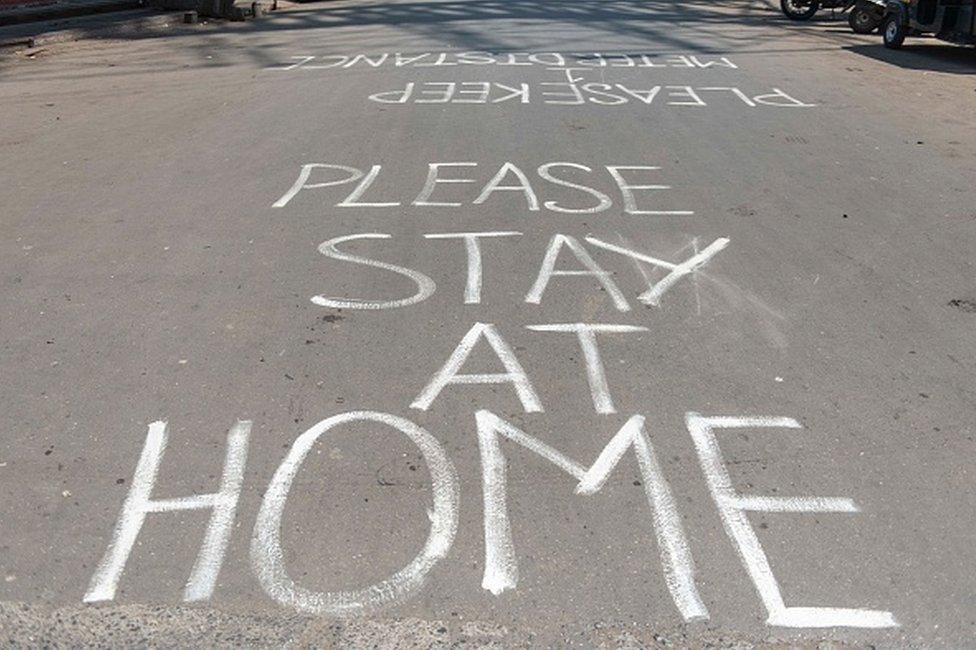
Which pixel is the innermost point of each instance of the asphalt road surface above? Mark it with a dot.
(489, 322)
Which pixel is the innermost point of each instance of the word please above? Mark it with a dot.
(586, 267)
(547, 59)
(572, 93)
(587, 188)
(500, 557)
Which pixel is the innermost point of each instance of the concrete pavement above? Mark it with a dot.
(478, 322)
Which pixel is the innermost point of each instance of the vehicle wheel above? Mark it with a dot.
(862, 21)
(893, 31)
(799, 9)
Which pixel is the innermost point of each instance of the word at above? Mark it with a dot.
(508, 178)
(501, 564)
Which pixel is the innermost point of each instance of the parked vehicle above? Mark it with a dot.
(949, 20)
(864, 16)
(805, 9)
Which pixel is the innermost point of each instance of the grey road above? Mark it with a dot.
(489, 322)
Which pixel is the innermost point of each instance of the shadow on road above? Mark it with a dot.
(933, 56)
(498, 26)
(665, 26)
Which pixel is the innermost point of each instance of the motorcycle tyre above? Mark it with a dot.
(792, 14)
(862, 21)
(893, 31)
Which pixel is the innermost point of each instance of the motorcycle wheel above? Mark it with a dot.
(893, 31)
(862, 21)
(799, 9)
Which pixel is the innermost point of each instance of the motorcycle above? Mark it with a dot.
(864, 15)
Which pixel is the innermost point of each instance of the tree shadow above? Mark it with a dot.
(497, 26)
(654, 20)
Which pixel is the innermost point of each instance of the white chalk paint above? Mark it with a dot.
(733, 507)
(138, 504)
(267, 556)
(735, 91)
(472, 287)
(596, 376)
(475, 273)
(450, 373)
(501, 566)
(627, 190)
(425, 286)
(684, 93)
(547, 271)
(722, 62)
(328, 62)
(544, 172)
(301, 183)
(571, 73)
(781, 99)
(394, 96)
(576, 91)
(675, 271)
(299, 61)
(523, 185)
(653, 295)
(436, 92)
(373, 62)
(455, 184)
(551, 60)
(433, 179)
(352, 201)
